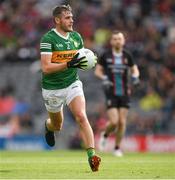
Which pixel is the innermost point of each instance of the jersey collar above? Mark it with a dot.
(60, 34)
(117, 54)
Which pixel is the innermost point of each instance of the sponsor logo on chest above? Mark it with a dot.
(59, 46)
(63, 56)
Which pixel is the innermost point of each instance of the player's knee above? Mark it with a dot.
(80, 117)
(114, 123)
(122, 123)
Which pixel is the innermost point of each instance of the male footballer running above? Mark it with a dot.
(60, 83)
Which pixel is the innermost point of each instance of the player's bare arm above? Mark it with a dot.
(99, 71)
(135, 75)
(135, 71)
(48, 67)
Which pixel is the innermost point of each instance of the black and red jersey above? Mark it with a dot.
(116, 67)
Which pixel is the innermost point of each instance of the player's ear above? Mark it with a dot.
(124, 41)
(57, 20)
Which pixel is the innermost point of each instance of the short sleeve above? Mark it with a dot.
(130, 59)
(45, 45)
(101, 60)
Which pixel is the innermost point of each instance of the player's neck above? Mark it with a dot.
(60, 31)
(118, 50)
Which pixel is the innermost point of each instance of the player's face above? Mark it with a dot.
(117, 40)
(66, 21)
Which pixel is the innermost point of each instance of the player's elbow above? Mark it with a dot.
(97, 72)
(135, 71)
(45, 69)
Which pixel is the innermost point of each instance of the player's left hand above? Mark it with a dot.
(77, 62)
(135, 81)
(107, 84)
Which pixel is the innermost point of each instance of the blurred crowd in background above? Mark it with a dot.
(149, 26)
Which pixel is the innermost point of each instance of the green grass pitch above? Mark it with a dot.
(73, 165)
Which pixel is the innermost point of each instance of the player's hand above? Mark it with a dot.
(77, 62)
(135, 81)
(107, 84)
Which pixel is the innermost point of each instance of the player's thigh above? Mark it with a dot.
(77, 107)
(124, 104)
(113, 115)
(74, 90)
(75, 99)
(54, 101)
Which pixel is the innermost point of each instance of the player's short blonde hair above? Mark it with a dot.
(59, 9)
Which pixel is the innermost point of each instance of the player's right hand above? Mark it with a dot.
(107, 84)
(77, 62)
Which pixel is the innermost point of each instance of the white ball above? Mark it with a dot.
(90, 57)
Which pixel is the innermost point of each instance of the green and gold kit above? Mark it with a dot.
(62, 50)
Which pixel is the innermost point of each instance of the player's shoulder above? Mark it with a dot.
(127, 52)
(75, 34)
(49, 35)
(129, 56)
(107, 53)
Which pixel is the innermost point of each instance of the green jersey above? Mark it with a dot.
(62, 50)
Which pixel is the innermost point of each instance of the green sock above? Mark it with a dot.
(90, 152)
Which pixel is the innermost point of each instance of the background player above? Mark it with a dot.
(112, 69)
(60, 82)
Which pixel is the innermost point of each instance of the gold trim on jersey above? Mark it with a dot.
(62, 56)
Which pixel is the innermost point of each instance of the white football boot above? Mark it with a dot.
(118, 153)
(102, 142)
